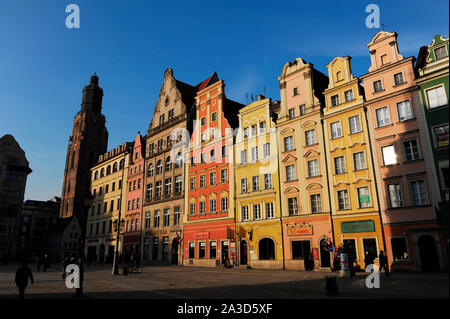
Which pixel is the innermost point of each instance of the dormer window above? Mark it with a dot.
(339, 76)
(440, 53)
(384, 59)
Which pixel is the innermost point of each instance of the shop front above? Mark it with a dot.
(161, 246)
(306, 235)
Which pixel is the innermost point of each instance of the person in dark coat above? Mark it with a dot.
(21, 279)
(383, 263)
(368, 259)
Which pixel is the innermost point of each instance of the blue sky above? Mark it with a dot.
(129, 44)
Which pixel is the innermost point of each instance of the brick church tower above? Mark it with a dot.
(89, 140)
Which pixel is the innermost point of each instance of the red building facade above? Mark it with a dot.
(209, 223)
(134, 200)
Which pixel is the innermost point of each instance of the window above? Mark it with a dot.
(384, 59)
(383, 116)
(343, 200)
(269, 210)
(166, 218)
(411, 150)
(295, 91)
(132, 225)
(203, 121)
(262, 127)
(212, 178)
(202, 181)
(212, 249)
(178, 160)
(419, 193)
(111, 206)
(395, 195)
(244, 157)
(192, 209)
(291, 113)
(178, 183)
(244, 185)
(133, 203)
(440, 134)
(268, 181)
(292, 206)
(224, 204)
(377, 86)
(158, 188)
(147, 220)
(300, 248)
(202, 158)
(316, 203)
(444, 177)
(254, 130)
(288, 143)
(156, 219)
(254, 154)
(364, 197)
(255, 183)
(212, 206)
(389, 156)
(224, 175)
(191, 250)
(201, 208)
(167, 186)
(335, 100)
(168, 164)
(150, 170)
(348, 95)
(336, 130)
(398, 78)
(113, 186)
(201, 250)
(256, 211)
(355, 125)
(290, 173)
(192, 183)
(310, 137)
(440, 53)
(170, 115)
(359, 161)
(404, 111)
(245, 215)
(399, 250)
(302, 109)
(436, 97)
(105, 207)
(370, 247)
(213, 116)
(159, 167)
(246, 132)
(339, 165)
(266, 150)
(176, 215)
(313, 168)
(224, 151)
(212, 155)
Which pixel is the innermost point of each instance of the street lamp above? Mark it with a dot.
(118, 224)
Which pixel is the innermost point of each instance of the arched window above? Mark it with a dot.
(108, 170)
(115, 167)
(102, 172)
(150, 170)
(96, 175)
(179, 160)
(168, 164)
(122, 164)
(266, 249)
(158, 167)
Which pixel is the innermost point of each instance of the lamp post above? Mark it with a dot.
(87, 203)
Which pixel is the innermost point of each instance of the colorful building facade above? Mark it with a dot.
(258, 211)
(108, 179)
(164, 178)
(432, 77)
(303, 168)
(353, 189)
(405, 172)
(134, 200)
(209, 223)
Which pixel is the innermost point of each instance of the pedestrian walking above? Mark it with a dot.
(368, 259)
(21, 279)
(383, 263)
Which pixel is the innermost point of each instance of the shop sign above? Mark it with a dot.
(361, 226)
(364, 198)
(442, 139)
(202, 235)
(300, 230)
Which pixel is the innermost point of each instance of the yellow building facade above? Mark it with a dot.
(353, 189)
(258, 211)
(108, 188)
